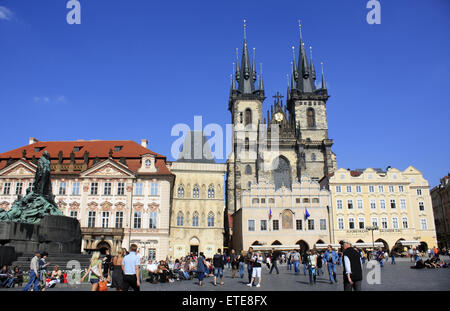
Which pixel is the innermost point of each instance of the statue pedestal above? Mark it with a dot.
(54, 234)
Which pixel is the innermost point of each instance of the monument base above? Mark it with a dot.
(54, 234)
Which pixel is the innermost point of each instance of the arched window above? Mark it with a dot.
(211, 192)
(282, 173)
(311, 117)
(248, 170)
(195, 192)
(195, 220)
(180, 191)
(180, 219)
(210, 219)
(248, 116)
(247, 144)
(313, 157)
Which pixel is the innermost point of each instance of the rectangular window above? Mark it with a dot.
(380, 188)
(421, 206)
(339, 204)
(94, 188)
(371, 189)
(391, 189)
(19, 187)
(251, 225)
(351, 223)
(107, 190)
(393, 203)
(62, 188)
(276, 224)
(374, 222)
(76, 188)
(137, 220)
(402, 203)
(299, 224)
(121, 188)
(360, 204)
(382, 204)
(152, 254)
(138, 190)
(350, 204)
(349, 189)
(395, 223)
(323, 224)
(338, 188)
(373, 204)
(91, 219)
(405, 222)
(6, 188)
(152, 220)
(119, 219)
(384, 223)
(263, 225)
(423, 223)
(310, 224)
(419, 191)
(297, 200)
(154, 188)
(105, 219)
(73, 214)
(361, 223)
(400, 189)
(358, 189)
(341, 223)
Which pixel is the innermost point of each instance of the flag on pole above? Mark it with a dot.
(306, 213)
(270, 213)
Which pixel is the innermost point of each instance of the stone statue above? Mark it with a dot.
(39, 200)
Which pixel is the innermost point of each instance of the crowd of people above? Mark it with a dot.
(128, 268)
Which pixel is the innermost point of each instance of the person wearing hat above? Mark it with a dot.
(352, 268)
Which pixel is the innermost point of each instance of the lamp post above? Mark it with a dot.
(372, 228)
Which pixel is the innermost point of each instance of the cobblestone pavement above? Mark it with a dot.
(393, 277)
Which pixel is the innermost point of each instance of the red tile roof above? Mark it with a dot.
(130, 150)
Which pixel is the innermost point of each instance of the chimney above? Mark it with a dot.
(32, 140)
(144, 143)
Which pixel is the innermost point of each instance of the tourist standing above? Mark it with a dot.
(219, 264)
(331, 258)
(305, 261)
(106, 265)
(380, 255)
(296, 261)
(256, 271)
(289, 261)
(130, 267)
(34, 273)
(248, 259)
(312, 264)
(319, 263)
(234, 263)
(117, 275)
(201, 268)
(94, 271)
(241, 262)
(392, 258)
(352, 268)
(275, 257)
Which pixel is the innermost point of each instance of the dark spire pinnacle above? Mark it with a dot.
(305, 80)
(247, 76)
(261, 83)
(238, 70)
(233, 80)
(294, 65)
(292, 77)
(324, 85)
(311, 64)
(288, 92)
(253, 65)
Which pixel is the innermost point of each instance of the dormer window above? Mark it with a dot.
(76, 149)
(148, 163)
(118, 148)
(38, 149)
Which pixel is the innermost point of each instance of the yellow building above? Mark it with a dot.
(396, 202)
(197, 223)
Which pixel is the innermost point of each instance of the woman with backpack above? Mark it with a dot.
(94, 271)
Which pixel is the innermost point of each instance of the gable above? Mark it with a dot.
(18, 169)
(108, 169)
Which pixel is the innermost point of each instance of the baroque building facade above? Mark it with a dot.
(197, 218)
(440, 196)
(120, 191)
(290, 142)
(397, 204)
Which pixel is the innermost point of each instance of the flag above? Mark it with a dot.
(306, 213)
(270, 213)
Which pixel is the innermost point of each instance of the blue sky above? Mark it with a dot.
(133, 69)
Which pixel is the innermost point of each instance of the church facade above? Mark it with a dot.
(284, 145)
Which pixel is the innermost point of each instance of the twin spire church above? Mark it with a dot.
(304, 145)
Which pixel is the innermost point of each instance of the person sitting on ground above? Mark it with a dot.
(55, 278)
(152, 269)
(418, 265)
(5, 276)
(163, 272)
(16, 277)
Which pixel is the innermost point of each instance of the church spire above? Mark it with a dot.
(247, 76)
(305, 82)
(261, 83)
(288, 92)
(311, 65)
(324, 85)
